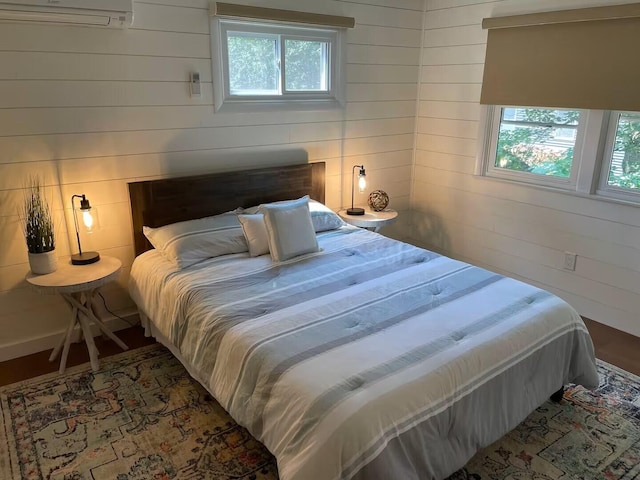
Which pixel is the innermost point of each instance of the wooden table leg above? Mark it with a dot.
(76, 300)
(99, 323)
(67, 342)
(63, 337)
(81, 303)
(107, 331)
(91, 346)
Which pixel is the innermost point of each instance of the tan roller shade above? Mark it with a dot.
(582, 58)
(274, 14)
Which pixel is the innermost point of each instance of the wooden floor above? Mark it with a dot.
(30, 366)
(615, 347)
(612, 346)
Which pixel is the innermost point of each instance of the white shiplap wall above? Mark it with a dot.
(513, 229)
(91, 109)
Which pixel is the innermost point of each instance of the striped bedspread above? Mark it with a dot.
(371, 359)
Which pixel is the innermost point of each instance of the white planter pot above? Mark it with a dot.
(43, 263)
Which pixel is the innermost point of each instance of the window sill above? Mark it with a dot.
(252, 106)
(555, 183)
(598, 196)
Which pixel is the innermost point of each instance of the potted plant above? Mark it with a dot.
(38, 229)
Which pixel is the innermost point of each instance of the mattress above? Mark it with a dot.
(371, 359)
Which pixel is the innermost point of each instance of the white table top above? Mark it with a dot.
(370, 219)
(70, 278)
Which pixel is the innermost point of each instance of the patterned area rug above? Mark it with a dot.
(142, 417)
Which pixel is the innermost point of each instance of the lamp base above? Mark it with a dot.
(355, 211)
(85, 258)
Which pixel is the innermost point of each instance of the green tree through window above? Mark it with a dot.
(531, 141)
(624, 171)
(305, 64)
(253, 63)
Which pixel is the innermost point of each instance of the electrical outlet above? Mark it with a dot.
(569, 261)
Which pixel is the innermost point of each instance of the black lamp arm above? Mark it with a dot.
(75, 218)
(353, 176)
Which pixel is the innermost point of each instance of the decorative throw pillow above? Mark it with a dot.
(255, 233)
(186, 243)
(289, 228)
(323, 217)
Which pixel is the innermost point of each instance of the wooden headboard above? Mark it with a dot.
(160, 202)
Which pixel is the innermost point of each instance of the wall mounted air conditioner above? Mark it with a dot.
(99, 13)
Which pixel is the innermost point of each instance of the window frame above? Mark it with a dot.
(490, 170)
(592, 156)
(224, 100)
(604, 189)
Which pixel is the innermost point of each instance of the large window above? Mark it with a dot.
(588, 151)
(268, 63)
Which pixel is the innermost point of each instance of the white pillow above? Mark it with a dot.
(289, 228)
(323, 217)
(186, 243)
(255, 233)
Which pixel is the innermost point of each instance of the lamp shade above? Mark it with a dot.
(362, 182)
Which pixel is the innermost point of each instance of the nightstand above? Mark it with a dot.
(78, 285)
(370, 220)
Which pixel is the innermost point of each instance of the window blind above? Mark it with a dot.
(580, 58)
(274, 14)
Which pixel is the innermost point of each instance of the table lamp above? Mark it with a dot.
(362, 183)
(83, 258)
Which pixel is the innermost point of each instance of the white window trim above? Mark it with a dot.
(491, 141)
(592, 156)
(604, 188)
(289, 100)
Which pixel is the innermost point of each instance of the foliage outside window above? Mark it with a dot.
(268, 63)
(559, 148)
(306, 65)
(624, 162)
(533, 145)
(537, 141)
(253, 63)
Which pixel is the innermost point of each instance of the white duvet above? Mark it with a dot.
(371, 359)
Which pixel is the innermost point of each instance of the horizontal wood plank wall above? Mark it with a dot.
(91, 109)
(513, 229)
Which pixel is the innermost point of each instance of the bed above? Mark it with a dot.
(370, 359)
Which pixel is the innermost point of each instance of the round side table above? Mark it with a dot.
(78, 285)
(370, 220)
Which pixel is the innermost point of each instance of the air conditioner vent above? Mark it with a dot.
(100, 13)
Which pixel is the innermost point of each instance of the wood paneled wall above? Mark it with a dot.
(513, 229)
(90, 109)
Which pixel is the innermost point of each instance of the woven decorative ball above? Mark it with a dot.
(378, 200)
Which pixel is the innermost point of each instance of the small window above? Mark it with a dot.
(621, 168)
(534, 145)
(272, 64)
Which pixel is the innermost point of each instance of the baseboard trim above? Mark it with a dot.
(49, 341)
